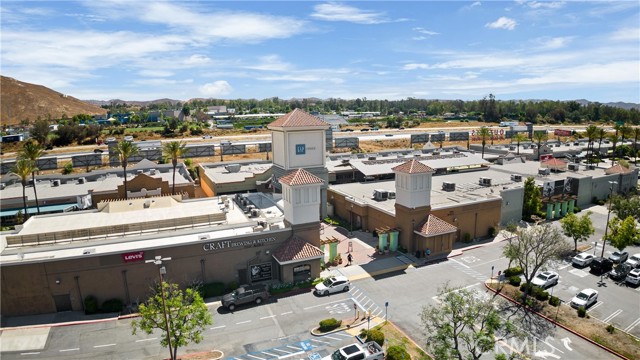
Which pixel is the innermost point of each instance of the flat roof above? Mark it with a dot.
(220, 175)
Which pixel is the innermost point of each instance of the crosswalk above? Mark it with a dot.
(365, 303)
(467, 270)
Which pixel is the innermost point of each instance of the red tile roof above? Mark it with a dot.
(298, 118)
(435, 226)
(554, 162)
(413, 166)
(617, 169)
(300, 177)
(296, 249)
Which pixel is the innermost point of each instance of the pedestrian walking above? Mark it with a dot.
(349, 259)
(427, 252)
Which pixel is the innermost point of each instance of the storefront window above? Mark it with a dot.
(302, 272)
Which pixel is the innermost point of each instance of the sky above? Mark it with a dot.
(146, 50)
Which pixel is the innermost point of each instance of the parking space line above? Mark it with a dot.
(320, 341)
(267, 317)
(564, 267)
(256, 357)
(315, 306)
(289, 355)
(105, 345)
(149, 339)
(329, 337)
(30, 353)
(286, 352)
(343, 334)
(218, 327)
(243, 322)
(294, 348)
(459, 263)
(610, 317)
(632, 325)
(74, 349)
(287, 313)
(355, 291)
(270, 354)
(596, 305)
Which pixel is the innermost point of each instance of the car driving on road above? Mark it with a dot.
(546, 279)
(585, 298)
(333, 285)
(582, 259)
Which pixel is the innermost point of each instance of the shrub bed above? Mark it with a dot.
(112, 305)
(397, 352)
(329, 324)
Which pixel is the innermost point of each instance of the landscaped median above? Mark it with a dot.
(595, 331)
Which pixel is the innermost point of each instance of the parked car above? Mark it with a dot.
(582, 259)
(585, 298)
(546, 279)
(618, 257)
(333, 285)
(128, 138)
(110, 139)
(633, 277)
(364, 129)
(348, 130)
(367, 351)
(634, 261)
(388, 135)
(225, 142)
(600, 265)
(619, 273)
(207, 137)
(245, 294)
(98, 151)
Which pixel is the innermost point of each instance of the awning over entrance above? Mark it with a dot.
(436, 226)
(296, 250)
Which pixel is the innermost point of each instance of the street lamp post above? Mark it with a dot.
(162, 270)
(606, 227)
(351, 222)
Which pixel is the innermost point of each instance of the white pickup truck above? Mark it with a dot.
(366, 351)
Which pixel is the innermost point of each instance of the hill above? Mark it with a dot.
(25, 101)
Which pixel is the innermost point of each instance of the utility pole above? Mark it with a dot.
(606, 227)
(162, 270)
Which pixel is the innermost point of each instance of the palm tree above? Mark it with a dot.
(540, 136)
(32, 151)
(601, 134)
(125, 150)
(484, 134)
(591, 133)
(614, 140)
(22, 169)
(636, 134)
(624, 131)
(173, 150)
(518, 137)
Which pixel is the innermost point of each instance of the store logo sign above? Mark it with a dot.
(300, 149)
(133, 256)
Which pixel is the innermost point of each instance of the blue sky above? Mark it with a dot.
(145, 50)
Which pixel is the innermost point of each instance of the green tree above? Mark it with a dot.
(484, 133)
(592, 133)
(622, 233)
(40, 131)
(172, 151)
(624, 206)
(186, 313)
(125, 150)
(534, 247)
(464, 325)
(32, 151)
(601, 134)
(577, 228)
(532, 198)
(614, 141)
(22, 169)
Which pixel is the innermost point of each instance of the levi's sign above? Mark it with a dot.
(133, 256)
(229, 244)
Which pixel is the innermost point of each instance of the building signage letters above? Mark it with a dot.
(230, 244)
(133, 256)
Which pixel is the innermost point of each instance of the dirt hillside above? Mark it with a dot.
(23, 101)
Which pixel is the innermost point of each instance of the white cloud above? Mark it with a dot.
(502, 23)
(155, 73)
(216, 88)
(340, 12)
(626, 34)
(425, 31)
(270, 63)
(197, 60)
(162, 82)
(414, 66)
(477, 3)
(544, 4)
(551, 43)
(419, 38)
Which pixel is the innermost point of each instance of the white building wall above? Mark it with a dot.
(413, 190)
(278, 148)
(302, 205)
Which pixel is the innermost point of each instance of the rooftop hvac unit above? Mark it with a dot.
(545, 171)
(81, 180)
(152, 171)
(485, 181)
(392, 195)
(574, 166)
(516, 177)
(371, 158)
(448, 186)
(255, 212)
(380, 195)
(140, 171)
(55, 183)
(345, 161)
(274, 226)
(233, 168)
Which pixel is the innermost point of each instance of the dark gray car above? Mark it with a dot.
(245, 294)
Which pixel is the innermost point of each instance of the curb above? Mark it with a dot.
(336, 329)
(69, 323)
(558, 324)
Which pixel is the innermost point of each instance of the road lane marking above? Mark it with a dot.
(257, 357)
(30, 353)
(218, 327)
(290, 355)
(487, 262)
(267, 317)
(564, 267)
(146, 339)
(633, 324)
(315, 306)
(459, 263)
(74, 349)
(243, 322)
(105, 345)
(610, 317)
(287, 313)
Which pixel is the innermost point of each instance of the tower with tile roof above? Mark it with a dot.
(413, 198)
(301, 197)
(298, 142)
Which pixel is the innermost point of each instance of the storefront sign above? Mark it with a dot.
(261, 272)
(133, 256)
(230, 244)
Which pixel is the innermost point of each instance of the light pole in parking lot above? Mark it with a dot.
(606, 227)
(162, 270)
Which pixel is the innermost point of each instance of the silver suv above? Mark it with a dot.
(245, 294)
